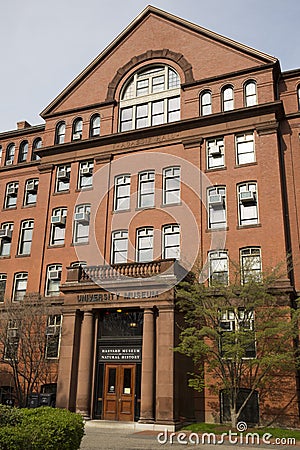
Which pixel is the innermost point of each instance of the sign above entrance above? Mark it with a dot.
(113, 297)
(120, 354)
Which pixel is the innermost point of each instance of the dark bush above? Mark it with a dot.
(9, 415)
(43, 429)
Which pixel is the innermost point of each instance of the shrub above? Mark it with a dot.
(9, 415)
(43, 428)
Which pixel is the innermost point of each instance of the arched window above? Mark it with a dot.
(250, 95)
(23, 151)
(298, 92)
(77, 129)
(60, 133)
(227, 98)
(205, 103)
(95, 125)
(150, 97)
(37, 143)
(10, 154)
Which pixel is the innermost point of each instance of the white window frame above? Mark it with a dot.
(52, 286)
(215, 153)
(10, 154)
(84, 227)
(250, 93)
(59, 229)
(19, 278)
(122, 199)
(53, 331)
(245, 141)
(215, 211)
(6, 242)
(119, 247)
(233, 320)
(77, 128)
(85, 180)
(23, 151)
(30, 197)
(218, 266)
(12, 340)
(24, 240)
(95, 130)
(227, 98)
(63, 185)
(11, 198)
(155, 85)
(248, 211)
(146, 189)
(3, 280)
(251, 264)
(206, 103)
(144, 244)
(60, 133)
(171, 250)
(171, 194)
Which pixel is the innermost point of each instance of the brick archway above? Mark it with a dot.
(178, 58)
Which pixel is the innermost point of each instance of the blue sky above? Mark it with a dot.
(46, 44)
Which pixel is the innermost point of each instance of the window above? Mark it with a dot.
(20, 286)
(215, 153)
(237, 329)
(218, 267)
(144, 244)
(248, 204)
(122, 193)
(250, 412)
(63, 178)
(10, 154)
(245, 148)
(205, 103)
(53, 333)
(171, 185)
(119, 247)
(95, 125)
(78, 264)
(0, 154)
(250, 93)
(60, 133)
(151, 97)
(298, 90)
(11, 195)
(12, 340)
(5, 238)
(250, 264)
(31, 188)
(85, 177)
(81, 224)
(37, 143)
(3, 278)
(171, 241)
(58, 226)
(227, 98)
(53, 280)
(25, 240)
(23, 151)
(77, 129)
(146, 189)
(216, 207)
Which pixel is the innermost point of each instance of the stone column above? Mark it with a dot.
(147, 382)
(85, 364)
(165, 401)
(67, 370)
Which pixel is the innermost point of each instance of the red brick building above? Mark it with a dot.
(175, 144)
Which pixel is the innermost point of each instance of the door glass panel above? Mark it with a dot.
(127, 381)
(111, 386)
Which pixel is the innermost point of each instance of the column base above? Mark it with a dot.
(146, 420)
(84, 414)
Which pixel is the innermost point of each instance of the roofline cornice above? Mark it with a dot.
(29, 130)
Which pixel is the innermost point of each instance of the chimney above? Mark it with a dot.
(23, 124)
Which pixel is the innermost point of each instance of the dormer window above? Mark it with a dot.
(150, 97)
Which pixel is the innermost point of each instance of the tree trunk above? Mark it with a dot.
(234, 417)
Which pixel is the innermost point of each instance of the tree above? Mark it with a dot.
(240, 336)
(23, 339)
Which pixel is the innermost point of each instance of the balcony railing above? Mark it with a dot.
(121, 271)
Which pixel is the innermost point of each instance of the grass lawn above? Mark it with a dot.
(223, 428)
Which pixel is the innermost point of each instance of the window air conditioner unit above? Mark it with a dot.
(76, 136)
(226, 325)
(87, 171)
(216, 150)
(216, 200)
(6, 234)
(54, 275)
(247, 197)
(58, 220)
(12, 333)
(31, 186)
(9, 162)
(82, 217)
(12, 191)
(50, 331)
(63, 174)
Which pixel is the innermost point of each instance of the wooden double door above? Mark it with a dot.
(119, 392)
